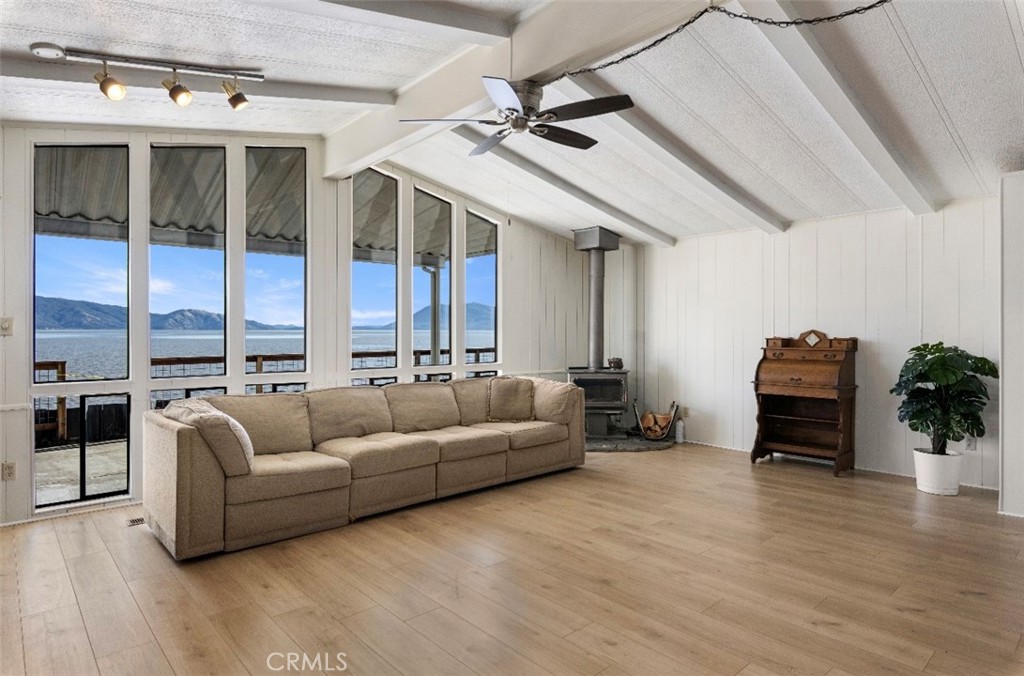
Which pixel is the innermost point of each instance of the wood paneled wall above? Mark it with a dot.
(544, 309)
(1011, 488)
(889, 278)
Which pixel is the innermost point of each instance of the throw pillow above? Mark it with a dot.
(509, 399)
(223, 434)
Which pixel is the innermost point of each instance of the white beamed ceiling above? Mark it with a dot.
(751, 140)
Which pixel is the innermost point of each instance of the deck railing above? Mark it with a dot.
(55, 370)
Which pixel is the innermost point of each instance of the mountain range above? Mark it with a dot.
(66, 314)
(62, 313)
(479, 317)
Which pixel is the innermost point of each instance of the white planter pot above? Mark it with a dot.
(938, 474)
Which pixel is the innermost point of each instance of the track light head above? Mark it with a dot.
(111, 87)
(178, 92)
(235, 96)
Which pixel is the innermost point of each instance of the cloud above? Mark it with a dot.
(257, 273)
(162, 286)
(288, 284)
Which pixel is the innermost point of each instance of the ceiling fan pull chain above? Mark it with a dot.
(767, 21)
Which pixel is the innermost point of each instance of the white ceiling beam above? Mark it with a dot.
(557, 37)
(434, 19)
(639, 230)
(703, 184)
(801, 50)
(64, 72)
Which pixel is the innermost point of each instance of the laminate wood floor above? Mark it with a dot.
(686, 561)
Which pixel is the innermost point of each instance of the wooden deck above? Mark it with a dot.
(686, 561)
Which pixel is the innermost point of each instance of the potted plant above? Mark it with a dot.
(943, 397)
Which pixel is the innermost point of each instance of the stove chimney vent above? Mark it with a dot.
(596, 240)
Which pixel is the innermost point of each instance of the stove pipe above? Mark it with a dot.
(596, 240)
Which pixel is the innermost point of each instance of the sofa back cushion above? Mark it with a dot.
(422, 406)
(223, 434)
(471, 396)
(510, 399)
(348, 412)
(553, 401)
(276, 423)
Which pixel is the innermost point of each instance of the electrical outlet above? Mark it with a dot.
(8, 472)
(971, 445)
(686, 411)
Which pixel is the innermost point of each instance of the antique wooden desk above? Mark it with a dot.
(806, 391)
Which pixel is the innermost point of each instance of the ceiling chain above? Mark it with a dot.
(767, 21)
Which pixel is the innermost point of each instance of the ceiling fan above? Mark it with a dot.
(518, 105)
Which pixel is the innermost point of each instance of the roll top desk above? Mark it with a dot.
(806, 391)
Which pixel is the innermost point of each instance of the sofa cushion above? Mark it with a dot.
(223, 434)
(458, 443)
(471, 396)
(279, 475)
(382, 453)
(509, 399)
(529, 433)
(552, 401)
(276, 423)
(347, 412)
(422, 406)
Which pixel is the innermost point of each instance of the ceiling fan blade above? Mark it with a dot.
(430, 120)
(567, 137)
(588, 108)
(489, 142)
(502, 94)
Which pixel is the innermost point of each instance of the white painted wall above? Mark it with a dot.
(891, 279)
(544, 314)
(1011, 489)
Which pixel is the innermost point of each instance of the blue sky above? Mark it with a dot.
(180, 278)
(193, 278)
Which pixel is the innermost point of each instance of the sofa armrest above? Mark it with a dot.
(562, 403)
(577, 428)
(183, 488)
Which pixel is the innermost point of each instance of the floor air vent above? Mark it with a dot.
(137, 521)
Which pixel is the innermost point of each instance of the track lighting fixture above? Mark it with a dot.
(111, 87)
(235, 96)
(115, 90)
(178, 92)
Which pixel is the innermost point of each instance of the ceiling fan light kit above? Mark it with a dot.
(115, 90)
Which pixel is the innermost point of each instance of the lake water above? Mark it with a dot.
(103, 354)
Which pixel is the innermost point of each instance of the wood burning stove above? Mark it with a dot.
(605, 394)
(605, 390)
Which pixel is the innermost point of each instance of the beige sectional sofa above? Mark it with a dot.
(229, 472)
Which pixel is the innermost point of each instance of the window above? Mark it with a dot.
(374, 270)
(275, 259)
(81, 263)
(376, 382)
(481, 289)
(81, 447)
(431, 279)
(432, 377)
(275, 387)
(186, 258)
(160, 398)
